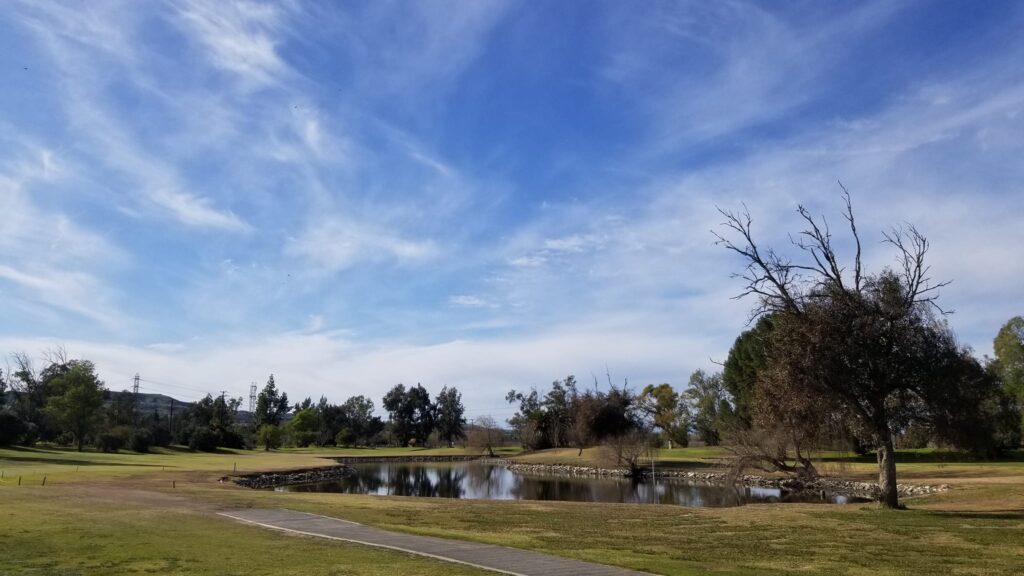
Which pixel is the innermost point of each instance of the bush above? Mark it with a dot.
(114, 439)
(11, 429)
(204, 440)
(161, 436)
(303, 439)
(140, 440)
(110, 441)
(232, 439)
(269, 436)
(345, 437)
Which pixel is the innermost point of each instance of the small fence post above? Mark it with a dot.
(44, 480)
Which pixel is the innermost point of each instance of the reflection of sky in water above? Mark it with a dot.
(479, 481)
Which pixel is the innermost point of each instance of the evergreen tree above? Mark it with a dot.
(450, 420)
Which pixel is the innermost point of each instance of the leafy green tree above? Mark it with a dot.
(359, 418)
(210, 423)
(271, 405)
(401, 413)
(411, 414)
(345, 437)
(450, 421)
(269, 436)
(1009, 362)
(76, 406)
(304, 427)
(425, 416)
(304, 405)
(708, 402)
(747, 358)
(121, 410)
(662, 405)
(530, 422)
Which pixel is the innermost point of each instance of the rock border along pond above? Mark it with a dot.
(853, 488)
(290, 477)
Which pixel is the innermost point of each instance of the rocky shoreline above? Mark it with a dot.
(821, 484)
(286, 478)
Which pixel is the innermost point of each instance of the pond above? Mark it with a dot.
(482, 481)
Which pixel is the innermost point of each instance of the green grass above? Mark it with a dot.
(93, 503)
(54, 532)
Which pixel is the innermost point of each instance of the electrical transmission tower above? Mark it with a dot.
(135, 398)
(252, 397)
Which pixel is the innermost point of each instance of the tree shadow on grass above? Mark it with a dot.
(931, 457)
(1012, 514)
(70, 461)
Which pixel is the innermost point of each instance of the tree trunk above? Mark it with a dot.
(888, 495)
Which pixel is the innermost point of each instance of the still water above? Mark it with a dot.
(476, 480)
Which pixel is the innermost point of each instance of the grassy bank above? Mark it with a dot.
(94, 503)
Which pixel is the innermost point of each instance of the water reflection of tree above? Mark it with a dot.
(450, 482)
(476, 480)
(487, 482)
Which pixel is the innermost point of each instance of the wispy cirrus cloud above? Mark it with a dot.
(298, 183)
(49, 259)
(335, 244)
(239, 37)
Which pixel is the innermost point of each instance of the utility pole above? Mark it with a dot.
(135, 399)
(171, 426)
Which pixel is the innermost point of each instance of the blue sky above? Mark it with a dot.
(480, 194)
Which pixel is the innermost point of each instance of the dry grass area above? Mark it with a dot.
(118, 514)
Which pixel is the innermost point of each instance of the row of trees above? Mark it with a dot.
(414, 419)
(66, 403)
(566, 416)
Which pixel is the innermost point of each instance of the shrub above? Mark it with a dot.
(269, 436)
(204, 440)
(113, 439)
(110, 441)
(232, 439)
(140, 440)
(345, 437)
(11, 429)
(161, 436)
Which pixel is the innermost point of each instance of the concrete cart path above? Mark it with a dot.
(487, 556)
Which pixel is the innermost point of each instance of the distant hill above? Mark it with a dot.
(162, 404)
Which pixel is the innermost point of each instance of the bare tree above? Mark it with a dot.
(627, 451)
(484, 434)
(864, 343)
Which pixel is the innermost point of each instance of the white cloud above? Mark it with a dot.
(195, 210)
(335, 244)
(470, 301)
(325, 364)
(49, 259)
(702, 70)
(241, 37)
